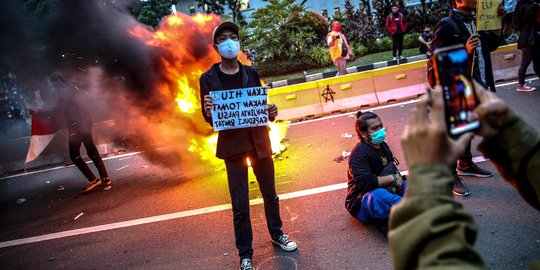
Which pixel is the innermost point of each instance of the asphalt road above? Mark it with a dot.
(157, 217)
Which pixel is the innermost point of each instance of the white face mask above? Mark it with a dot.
(229, 48)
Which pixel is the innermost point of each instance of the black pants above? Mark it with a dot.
(397, 44)
(528, 54)
(76, 138)
(237, 174)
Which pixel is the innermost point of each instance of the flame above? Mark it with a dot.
(186, 49)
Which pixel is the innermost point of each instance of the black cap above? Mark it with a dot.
(224, 25)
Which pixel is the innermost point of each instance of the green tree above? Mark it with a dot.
(358, 25)
(284, 30)
(235, 6)
(218, 7)
(151, 12)
(211, 6)
(383, 8)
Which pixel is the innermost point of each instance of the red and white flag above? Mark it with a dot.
(43, 131)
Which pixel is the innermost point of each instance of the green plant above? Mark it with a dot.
(358, 25)
(410, 40)
(380, 45)
(284, 30)
(280, 67)
(318, 57)
(359, 50)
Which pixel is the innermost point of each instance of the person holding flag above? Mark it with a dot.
(73, 114)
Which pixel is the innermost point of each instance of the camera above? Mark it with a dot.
(453, 73)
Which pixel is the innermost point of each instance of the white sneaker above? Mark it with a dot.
(285, 243)
(401, 57)
(394, 59)
(525, 88)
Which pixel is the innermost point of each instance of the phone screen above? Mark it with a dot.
(454, 75)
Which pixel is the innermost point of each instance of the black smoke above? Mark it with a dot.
(90, 40)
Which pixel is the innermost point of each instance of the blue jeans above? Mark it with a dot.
(376, 204)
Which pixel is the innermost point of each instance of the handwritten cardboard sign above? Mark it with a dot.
(239, 108)
(486, 15)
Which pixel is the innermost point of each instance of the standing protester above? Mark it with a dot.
(528, 41)
(374, 182)
(339, 48)
(430, 230)
(73, 113)
(460, 28)
(425, 41)
(235, 146)
(396, 25)
(508, 18)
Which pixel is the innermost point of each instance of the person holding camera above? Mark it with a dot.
(339, 48)
(374, 182)
(429, 229)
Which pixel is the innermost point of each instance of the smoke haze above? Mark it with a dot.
(120, 76)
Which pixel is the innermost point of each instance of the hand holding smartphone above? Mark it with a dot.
(453, 73)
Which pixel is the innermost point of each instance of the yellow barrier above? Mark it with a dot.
(297, 100)
(348, 91)
(400, 82)
(371, 87)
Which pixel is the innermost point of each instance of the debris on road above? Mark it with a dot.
(121, 168)
(59, 188)
(144, 166)
(48, 182)
(226, 254)
(107, 187)
(347, 135)
(343, 156)
(51, 259)
(78, 216)
(21, 201)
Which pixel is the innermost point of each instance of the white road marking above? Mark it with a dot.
(153, 219)
(177, 215)
(62, 167)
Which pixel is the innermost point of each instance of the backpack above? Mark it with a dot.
(430, 69)
(344, 50)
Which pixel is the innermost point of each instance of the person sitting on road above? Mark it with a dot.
(428, 229)
(374, 182)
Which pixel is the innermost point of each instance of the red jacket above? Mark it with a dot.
(391, 25)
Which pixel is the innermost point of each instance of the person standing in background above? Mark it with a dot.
(396, 25)
(339, 48)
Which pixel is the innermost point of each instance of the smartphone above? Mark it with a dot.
(453, 73)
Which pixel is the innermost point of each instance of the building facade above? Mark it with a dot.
(326, 8)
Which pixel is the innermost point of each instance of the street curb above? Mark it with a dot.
(350, 70)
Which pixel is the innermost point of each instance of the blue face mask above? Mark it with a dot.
(229, 48)
(378, 136)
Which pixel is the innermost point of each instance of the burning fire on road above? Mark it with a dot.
(182, 69)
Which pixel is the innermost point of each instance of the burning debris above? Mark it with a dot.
(146, 81)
